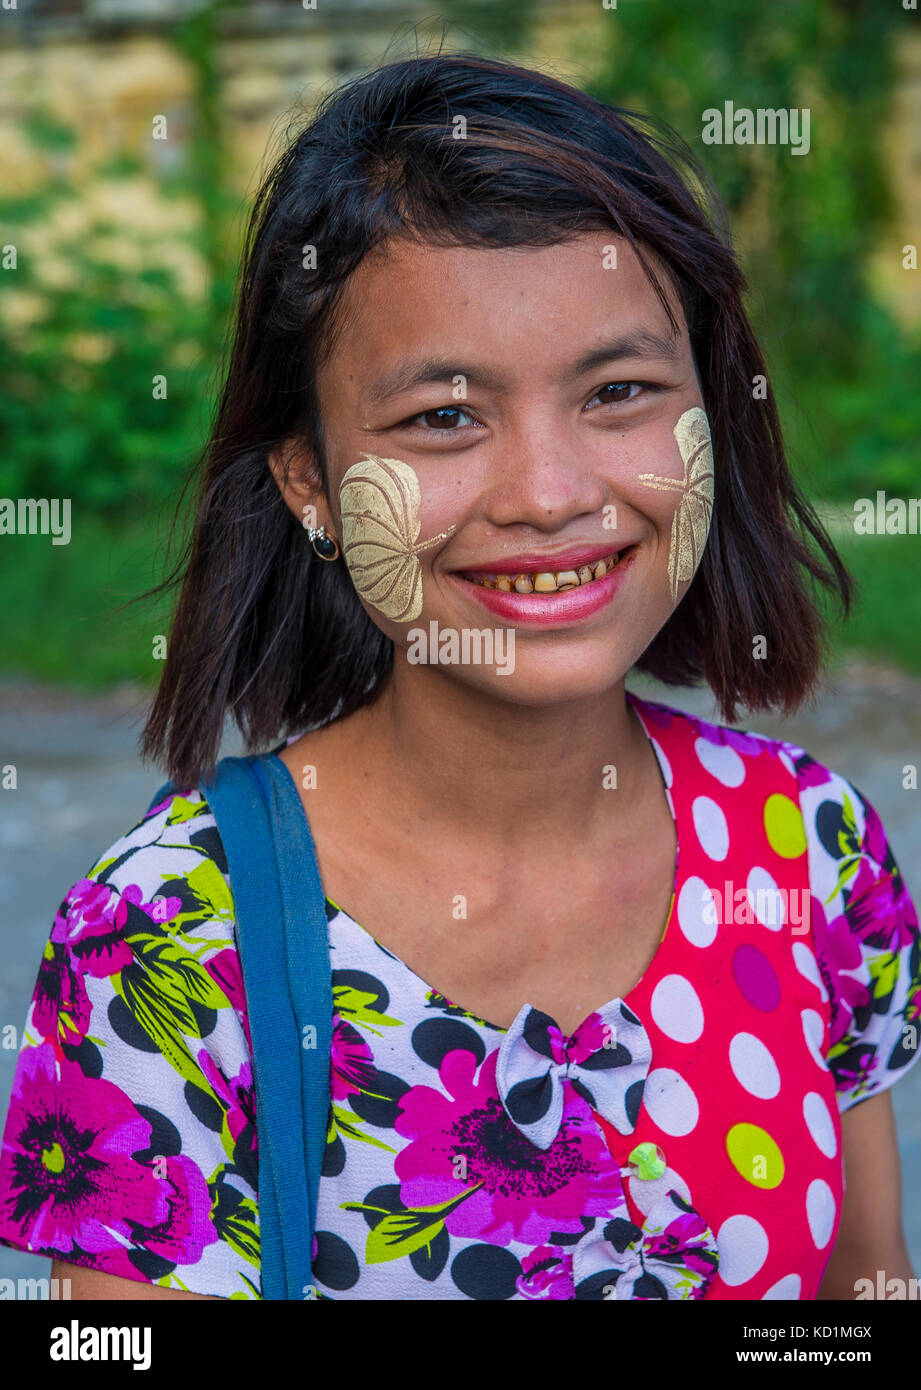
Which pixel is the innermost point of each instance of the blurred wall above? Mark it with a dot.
(107, 67)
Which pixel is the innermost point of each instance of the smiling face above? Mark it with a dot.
(540, 402)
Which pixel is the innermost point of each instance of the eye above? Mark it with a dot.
(446, 417)
(617, 391)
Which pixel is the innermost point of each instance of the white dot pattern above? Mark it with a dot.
(677, 1010)
(743, 1246)
(753, 1066)
(711, 826)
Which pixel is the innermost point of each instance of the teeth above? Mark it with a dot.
(547, 582)
(567, 579)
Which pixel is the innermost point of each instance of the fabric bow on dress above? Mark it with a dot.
(606, 1060)
(674, 1254)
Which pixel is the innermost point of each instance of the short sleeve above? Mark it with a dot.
(865, 934)
(129, 1146)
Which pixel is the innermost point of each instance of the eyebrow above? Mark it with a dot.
(640, 343)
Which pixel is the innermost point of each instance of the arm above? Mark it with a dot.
(870, 1236)
(91, 1284)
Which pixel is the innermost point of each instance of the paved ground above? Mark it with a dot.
(81, 785)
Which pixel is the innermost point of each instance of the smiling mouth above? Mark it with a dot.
(548, 581)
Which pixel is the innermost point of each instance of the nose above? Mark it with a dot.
(541, 478)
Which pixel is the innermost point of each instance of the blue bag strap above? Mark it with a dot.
(280, 917)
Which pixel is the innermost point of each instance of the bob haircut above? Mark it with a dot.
(269, 632)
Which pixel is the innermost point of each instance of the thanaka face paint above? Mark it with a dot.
(379, 502)
(691, 521)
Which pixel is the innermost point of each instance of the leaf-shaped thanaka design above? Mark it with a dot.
(691, 522)
(379, 507)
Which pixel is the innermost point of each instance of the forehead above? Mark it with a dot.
(530, 307)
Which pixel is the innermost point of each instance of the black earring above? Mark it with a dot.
(324, 546)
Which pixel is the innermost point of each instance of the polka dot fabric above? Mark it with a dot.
(740, 1097)
(683, 1143)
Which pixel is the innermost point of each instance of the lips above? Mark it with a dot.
(547, 603)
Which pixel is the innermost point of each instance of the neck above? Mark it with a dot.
(471, 764)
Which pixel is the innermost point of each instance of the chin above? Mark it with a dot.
(523, 667)
(538, 685)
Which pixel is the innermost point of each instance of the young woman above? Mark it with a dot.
(619, 993)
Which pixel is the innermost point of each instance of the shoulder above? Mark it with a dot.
(692, 727)
(169, 871)
(155, 914)
(173, 838)
(809, 781)
(865, 934)
(862, 923)
(137, 1063)
(835, 824)
(727, 763)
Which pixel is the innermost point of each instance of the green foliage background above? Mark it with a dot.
(845, 372)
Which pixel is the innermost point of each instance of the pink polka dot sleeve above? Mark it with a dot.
(865, 934)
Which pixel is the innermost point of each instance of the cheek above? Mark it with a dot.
(379, 505)
(690, 498)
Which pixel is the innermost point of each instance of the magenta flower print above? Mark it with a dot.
(854, 1068)
(351, 1060)
(66, 1160)
(160, 909)
(236, 1095)
(546, 1273)
(224, 968)
(98, 926)
(875, 843)
(590, 1036)
(839, 955)
(879, 908)
(61, 1012)
(683, 1237)
(182, 1236)
(516, 1190)
(180, 1239)
(95, 927)
(809, 773)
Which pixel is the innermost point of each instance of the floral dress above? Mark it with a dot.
(685, 1142)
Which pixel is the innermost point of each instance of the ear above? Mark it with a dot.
(295, 471)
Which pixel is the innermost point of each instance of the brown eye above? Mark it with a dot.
(445, 418)
(615, 391)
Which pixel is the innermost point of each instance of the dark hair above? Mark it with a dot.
(265, 629)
